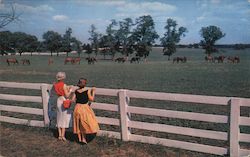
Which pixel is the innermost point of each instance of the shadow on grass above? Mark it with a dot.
(70, 136)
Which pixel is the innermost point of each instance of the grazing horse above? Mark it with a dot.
(76, 60)
(135, 59)
(26, 61)
(69, 59)
(235, 59)
(50, 61)
(180, 59)
(91, 60)
(209, 58)
(11, 60)
(220, 59)
(120, 60)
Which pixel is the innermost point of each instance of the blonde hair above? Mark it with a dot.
(60, 76)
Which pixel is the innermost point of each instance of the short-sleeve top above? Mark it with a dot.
(59, 88)
(82, 98)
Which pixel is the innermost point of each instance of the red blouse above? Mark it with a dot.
(59, 88)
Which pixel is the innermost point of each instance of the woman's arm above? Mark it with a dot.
(67, 90)
(73, 98)
(91, 94)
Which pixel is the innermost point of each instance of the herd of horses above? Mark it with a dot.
(93, 60)
(221, 59)
(132, 60)
(15, 61)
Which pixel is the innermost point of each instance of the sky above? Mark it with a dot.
(40, 16)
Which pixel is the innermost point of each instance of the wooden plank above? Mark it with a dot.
(234, 127)
(104, 106)
(179, 130)
(214, 100)
(21, 98)
(107, 92)
(179, 114)
(45, 101)
(245, 102)
(22, 121)
(19, 109)
(20, 85)
(108, 121)
(124, 119)
(244, 152)
(111, 134)
(180, 144)
(244, 137)
(245, 121)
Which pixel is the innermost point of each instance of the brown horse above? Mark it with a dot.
(69, 59)
(91, 60)
(76, 60)
(25, 61)
(220, 59)
(209, 58)
(235, 59)
(50, 61)
(12, 60)
(120, 60)
(180, 59)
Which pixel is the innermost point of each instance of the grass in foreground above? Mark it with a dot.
(17, 140)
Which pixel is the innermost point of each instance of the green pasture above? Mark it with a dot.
(157, 74)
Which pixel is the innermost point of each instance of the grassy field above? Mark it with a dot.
(157, 74)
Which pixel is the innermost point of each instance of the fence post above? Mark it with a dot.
(45, 100)
(124, 117)
(234, 127)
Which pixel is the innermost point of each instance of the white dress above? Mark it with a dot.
(63, 115)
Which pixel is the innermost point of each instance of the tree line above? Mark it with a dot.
(127, 37)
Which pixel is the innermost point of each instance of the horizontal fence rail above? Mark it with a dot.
(234, 119)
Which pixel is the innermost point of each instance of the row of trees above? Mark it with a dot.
(21, 42)
(126, 37)
(137, 37)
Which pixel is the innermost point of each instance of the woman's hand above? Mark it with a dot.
(70, 88)
(93, 90)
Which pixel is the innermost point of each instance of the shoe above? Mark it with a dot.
(60, 138)
(64, 139)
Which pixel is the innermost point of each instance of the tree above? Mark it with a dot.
(88, 49)
(94, 38)
(210, 34)
(111, 38)
(7, 18)
(6, 43)
(124, 35)
(52, 41)
(23, 42)
(171, 37)
(33, 44)
(76, 45)
(66, 41)
(144, 35)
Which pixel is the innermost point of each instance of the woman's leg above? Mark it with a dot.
(63, 134)
(59, 133)
(84, 138)
(79, 137)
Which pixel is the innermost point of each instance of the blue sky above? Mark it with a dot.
(39, 16)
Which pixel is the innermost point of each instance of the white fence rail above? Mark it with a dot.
(234, 119)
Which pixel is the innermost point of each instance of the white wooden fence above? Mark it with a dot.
(234, 119)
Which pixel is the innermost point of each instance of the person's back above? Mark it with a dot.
(82, 97)
(59, 88)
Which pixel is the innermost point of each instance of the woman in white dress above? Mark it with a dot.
(63, 117)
